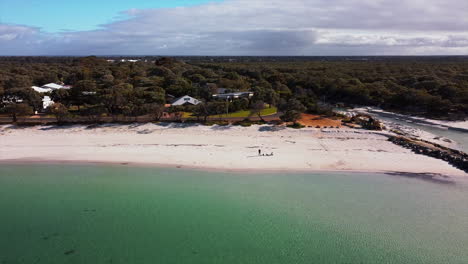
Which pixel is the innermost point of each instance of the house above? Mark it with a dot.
(46, 88)
(231, 96)
(128, 60)
(46, 102)
(52, 86)
(41, 90)
(185, 100)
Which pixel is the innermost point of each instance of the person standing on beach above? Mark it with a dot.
(259, 152)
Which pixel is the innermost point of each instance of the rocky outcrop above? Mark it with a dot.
(363, 121)
(456, 158)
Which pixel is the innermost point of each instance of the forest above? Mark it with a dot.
(435, 87)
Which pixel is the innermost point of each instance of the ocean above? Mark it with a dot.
(118, 214)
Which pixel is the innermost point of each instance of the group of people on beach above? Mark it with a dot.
(264, 154)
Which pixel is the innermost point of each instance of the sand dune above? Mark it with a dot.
(216, 147)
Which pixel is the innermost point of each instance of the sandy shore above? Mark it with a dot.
(225, 148)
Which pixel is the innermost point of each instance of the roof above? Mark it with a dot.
(185, 100)
(41, 90)
(52, 86)
(234, 95)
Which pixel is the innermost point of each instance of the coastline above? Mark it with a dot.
(425, 176)
(454, 125)
(193, 168)
(202, 148)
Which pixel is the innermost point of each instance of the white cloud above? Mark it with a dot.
(261, 27)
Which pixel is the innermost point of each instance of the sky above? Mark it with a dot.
(234, 27)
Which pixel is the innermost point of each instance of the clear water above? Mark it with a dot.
(91, 214)
(458, 136)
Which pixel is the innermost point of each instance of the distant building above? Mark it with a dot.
(41, 90)
(53, 86)
(46, 88)
(46, 102)
(232, 96)
(128, 60)
(185, 100)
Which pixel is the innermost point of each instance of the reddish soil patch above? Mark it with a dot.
(315, 120)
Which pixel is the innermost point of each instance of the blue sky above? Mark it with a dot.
(233, 27)
(77, 15)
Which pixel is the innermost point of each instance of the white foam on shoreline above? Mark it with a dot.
(415, 132)
(426, 121)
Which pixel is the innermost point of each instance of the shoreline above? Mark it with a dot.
(188, 167)
(426, 176)
(220, 149)
(461, 126)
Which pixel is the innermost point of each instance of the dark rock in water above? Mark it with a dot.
(69, 252)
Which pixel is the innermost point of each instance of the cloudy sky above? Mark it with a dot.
(234, 27)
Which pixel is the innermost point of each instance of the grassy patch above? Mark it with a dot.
(244, 113)
(187, 115)
(247, 113)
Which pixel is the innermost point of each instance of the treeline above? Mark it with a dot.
(436, 87)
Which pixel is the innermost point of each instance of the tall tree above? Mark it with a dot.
(18, 109)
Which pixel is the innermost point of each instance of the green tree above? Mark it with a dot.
(18, 109)
(61, 95)
(154, 94)
(156, 111)
(117, 98)
(27, 96)
(60, 112)
(84, 92)
(201, 110)
(257, 108)
(292, 110)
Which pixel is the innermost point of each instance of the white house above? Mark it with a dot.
(41, 90)
(185, 100)
(46, 102)
(49, 87)
(52, 86)
(125, 60)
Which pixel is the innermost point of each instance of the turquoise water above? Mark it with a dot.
(91, 214)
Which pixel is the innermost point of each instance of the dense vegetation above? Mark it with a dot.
(432, 87)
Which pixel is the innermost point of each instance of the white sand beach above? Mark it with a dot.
(216, 147)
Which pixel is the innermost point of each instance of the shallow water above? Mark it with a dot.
(91, 214)
(458, 136)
